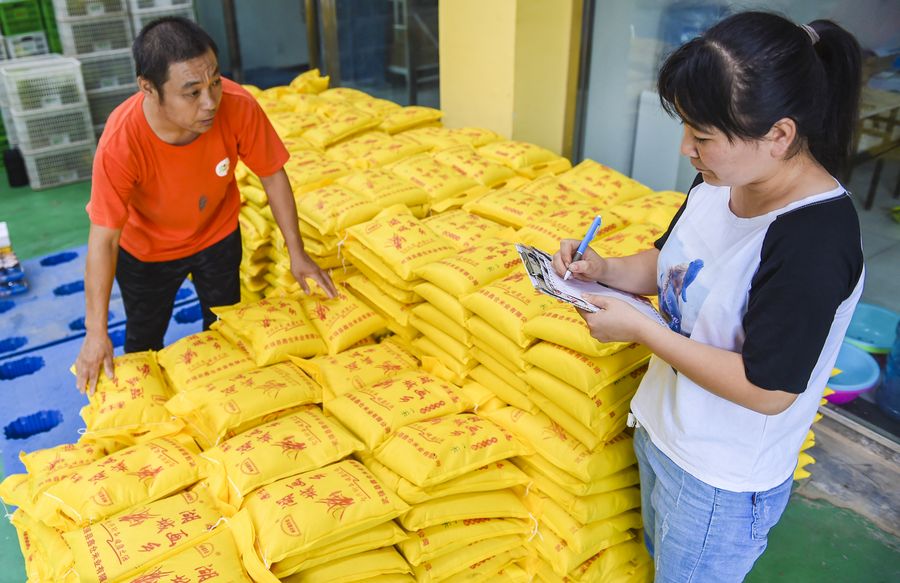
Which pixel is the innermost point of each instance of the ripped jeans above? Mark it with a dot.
(698, 533)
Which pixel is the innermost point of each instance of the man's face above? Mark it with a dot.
(191, 94)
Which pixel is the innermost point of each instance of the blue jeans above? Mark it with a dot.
(698, 533)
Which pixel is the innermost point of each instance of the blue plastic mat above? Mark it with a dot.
(40, 339)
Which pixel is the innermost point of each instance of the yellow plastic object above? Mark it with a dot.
(466, 161)
(298, 442)
(359, 367)
(628, 241)
(201, 358)
(45, 467)
(658, 208)
(309, 82)
(514, 208)
(376, 411)
(384, 534)
(385, 188)
(467, 558)
(465, 230)
(556, 445)
(469, 506)
(527, 159)
(507, 304)
(136, 475)
(568, 223)
(122, 546)
(435, 451)
(446, 187)
(587, 374)
(310, 511)
(364, 566)
(561, 324)
(308, 170)
(331, 209)
(603, 185)
(214, 410)
(341, 321)
(428, 543)
(473, 267)
(47, 556)
(563, 559)
(216, 558)
(409, 117)
(275, 329)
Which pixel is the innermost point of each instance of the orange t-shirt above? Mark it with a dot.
(173, 201)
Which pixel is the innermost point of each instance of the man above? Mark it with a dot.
(164, 201)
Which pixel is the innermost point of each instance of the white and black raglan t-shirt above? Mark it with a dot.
(780, 290)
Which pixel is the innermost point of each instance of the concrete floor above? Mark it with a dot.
(841, 525)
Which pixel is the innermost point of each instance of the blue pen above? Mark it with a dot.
(592, 230)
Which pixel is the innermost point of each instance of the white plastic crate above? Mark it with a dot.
(3, 55)
(10, 127)
(141, 19)
(138, 5)
(107, 70)
(39, 83)
(66, 126)
(103, 102)
(80, 8)
(55, 166)
(84, 36)
(26, 45)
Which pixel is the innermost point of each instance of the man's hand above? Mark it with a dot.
(302, 266)
(96, 350)
(591, 267)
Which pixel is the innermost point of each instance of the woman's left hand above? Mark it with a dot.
(615, 322)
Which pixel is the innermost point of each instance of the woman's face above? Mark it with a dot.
(723, 162)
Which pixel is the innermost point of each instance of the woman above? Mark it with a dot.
(758, 276)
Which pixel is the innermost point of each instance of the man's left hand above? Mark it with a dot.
(302, 266)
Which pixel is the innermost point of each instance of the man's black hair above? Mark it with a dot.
(167, 40)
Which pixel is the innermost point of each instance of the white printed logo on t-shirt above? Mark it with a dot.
(222, 167)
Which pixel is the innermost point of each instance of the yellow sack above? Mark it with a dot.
(130, 408)
(373, 149)
(484, 400)
(309, 82)
(299, 442)
(469, 506)
(401, 241)
(510, 207)
(385, 188)
(508, 304)
(275, 329)
(657, 209)
(312, 510)
(563, 559)
(341, 321)
(604, 564)
(341, 127)
(308, 170)
(382, 535)
(297, 144)
(331, 209)
(507, 392)
(408, 118)
(362, 288)
(473, 267)
(257, 196)
(435, 136)
(47, 556)
(201, 358)
(587, 374)
(526, 159)
(120, 547)
(374, 106)
(438, 320)
(45, 467)
(588, 411)
(136, 475)
(293, 124)
(537, 466)
(608, 425)
(376, 411)
(215, 558)
(466, 161)
(456, 349)
(15, 491)
(359, 367)
(557, 446)
(465, 230)
(476, 136)
(586, 509)
(628, 241)
(434, 451)
(446, 187)
(358, 567)
(568, 223)
(603, 185)
(214, 409)
(379, 273)
(448, 304)
(440, 362)
(561, 324)
(427, 543)
(500, 567)
(498, 346)
(443, 567)
(340, 94)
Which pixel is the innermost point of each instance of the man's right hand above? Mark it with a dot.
(590, 267)
(96, 351)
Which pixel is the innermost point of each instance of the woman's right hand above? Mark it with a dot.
(591, 267)
(96, 351)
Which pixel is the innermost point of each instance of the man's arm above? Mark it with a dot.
(281, 200)
(100, 269)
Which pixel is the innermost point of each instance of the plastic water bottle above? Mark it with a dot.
(888, 395)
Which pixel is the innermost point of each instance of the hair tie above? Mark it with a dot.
(813, 35)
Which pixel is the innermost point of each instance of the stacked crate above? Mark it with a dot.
(98, 33)
(46, 114)
(145, 11)
(48, 16)
(23, 29)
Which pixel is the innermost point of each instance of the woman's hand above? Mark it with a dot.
(591, 267)
(616, 321)
(302, 267)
